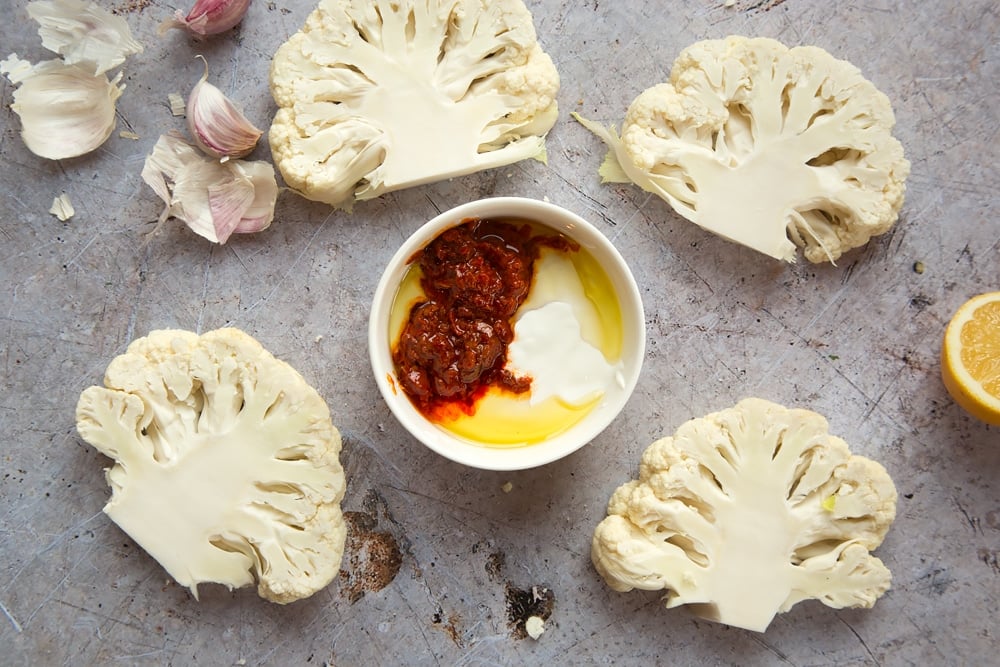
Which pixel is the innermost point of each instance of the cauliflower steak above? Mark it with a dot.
(745, 512)
(384, 95)
(768, 146)
(226, 466)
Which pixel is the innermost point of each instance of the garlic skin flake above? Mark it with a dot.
(65, 110)
(84, 33)
(218, 127)
(214, 199)
(176, 103)
(62, 208)
(208, 17)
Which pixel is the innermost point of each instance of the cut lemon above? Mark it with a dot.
(970, 357)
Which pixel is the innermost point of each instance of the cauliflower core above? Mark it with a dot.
(380, 95)
(744, 513)
(227, 467)
(767, 146)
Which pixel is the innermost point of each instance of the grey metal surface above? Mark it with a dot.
(858, 342)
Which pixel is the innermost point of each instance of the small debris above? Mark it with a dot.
(507, 487)
(62, 207)
(729, 3)
(535, 626)
(318, 338)
(128, 134)
(177, 104)
(522, 605)
(918, 267)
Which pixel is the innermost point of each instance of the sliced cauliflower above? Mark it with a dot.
(767, 146)
(375, 96)
(743, 513)
(226, 462)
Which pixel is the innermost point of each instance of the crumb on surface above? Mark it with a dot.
(534, 626)
(62, 207)
(177, 105)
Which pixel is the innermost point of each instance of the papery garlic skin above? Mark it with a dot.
(62, 208)
(208, 17)
(218, 127)
(65, 110)
(84, 33)
(214, 199)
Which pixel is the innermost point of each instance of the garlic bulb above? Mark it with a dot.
(218, 127)
(83, 33)
(208, 17)
(65, 110)
(214, 199)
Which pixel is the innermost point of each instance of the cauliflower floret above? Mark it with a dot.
(743, 513)
(767, 146)
(226, 462)
(379, 96)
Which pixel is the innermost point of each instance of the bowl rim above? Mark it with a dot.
(458, 449)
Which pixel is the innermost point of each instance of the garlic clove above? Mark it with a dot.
(84, 33)
(65, 110)
(218, 127)
(208, 17)
(214, 199)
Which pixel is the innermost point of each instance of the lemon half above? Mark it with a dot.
(970, 357)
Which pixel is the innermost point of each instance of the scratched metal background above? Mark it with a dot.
(440, 554)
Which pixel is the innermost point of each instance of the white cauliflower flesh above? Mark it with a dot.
(769, 146)
(376, 96)
(745, 512)
(227, 464)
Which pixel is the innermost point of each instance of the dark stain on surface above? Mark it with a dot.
(937, 581)
(372, 556)
(763, 5)
(989, 557)
(449, 625)
(920, 302)
(496, 562)
(522, 604)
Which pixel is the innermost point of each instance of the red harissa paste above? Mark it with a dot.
(453, 347)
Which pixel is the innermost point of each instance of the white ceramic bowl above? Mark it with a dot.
(465, 451)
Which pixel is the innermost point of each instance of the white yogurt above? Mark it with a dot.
(557, 339)
(549, 348)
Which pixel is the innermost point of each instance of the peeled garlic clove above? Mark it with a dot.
(83, 33)
(218, 127)
(208, 17)
(65, 110)
(214, 199)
